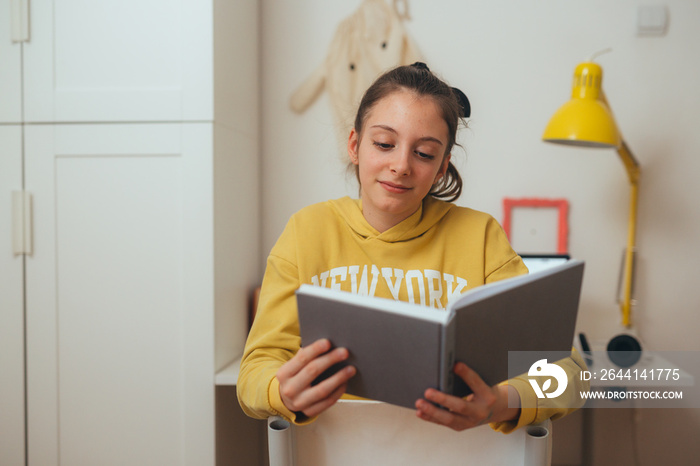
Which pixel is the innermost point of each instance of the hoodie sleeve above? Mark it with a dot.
(274, 337)
(534, 410)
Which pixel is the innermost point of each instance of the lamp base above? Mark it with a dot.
(624, 350)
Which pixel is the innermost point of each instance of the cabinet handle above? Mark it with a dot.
(21, 223)
(19, 12)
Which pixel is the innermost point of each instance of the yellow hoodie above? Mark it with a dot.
(439, 252)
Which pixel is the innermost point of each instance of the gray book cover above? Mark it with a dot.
(401, 349)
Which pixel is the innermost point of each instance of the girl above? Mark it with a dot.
(403, 239)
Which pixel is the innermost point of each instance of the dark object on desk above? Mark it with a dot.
(624, 350)
(536, 262)
(585, 347)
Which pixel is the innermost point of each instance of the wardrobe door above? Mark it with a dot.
(119, 60)
(11, 63)
(11, 300)
(119, 295)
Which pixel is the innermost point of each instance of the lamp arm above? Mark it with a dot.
(633, 171)
(630, 162)
(628, 159)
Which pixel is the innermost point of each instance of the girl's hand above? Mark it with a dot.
(296, 375)
(486, 404)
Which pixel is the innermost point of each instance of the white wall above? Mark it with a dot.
(515, 60)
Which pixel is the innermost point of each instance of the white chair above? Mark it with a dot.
(369, 432)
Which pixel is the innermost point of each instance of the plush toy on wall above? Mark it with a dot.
(367, 43)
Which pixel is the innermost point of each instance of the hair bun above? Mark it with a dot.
(464, 104)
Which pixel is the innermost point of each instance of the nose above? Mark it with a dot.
(400, 164)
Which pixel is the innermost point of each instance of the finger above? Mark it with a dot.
(305, 355)
(323, 394)
(431, 413)
(449, 402)
(324, 404)
(317, 367)
(297, 392)
(481, 389)
(473, 413)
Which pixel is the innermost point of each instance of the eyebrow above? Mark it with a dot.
(392, 130)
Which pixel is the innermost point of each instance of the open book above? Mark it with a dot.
(401, 349)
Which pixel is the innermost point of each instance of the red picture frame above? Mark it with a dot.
(562, 205)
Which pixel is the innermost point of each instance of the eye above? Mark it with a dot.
(383, 45)
(425, 156)
(383, 145)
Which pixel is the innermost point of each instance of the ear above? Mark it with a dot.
(443, 168)
(353, 143)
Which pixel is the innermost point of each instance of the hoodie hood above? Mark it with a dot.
(350, 210)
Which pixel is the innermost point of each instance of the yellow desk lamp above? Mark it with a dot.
(586, 121)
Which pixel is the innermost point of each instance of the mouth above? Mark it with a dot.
(394, 188)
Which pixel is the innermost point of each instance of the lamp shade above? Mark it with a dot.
(586, 119)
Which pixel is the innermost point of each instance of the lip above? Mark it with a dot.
(394, 188)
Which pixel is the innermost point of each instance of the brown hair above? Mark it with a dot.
(452, 103)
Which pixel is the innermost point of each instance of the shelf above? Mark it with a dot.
(229, 374)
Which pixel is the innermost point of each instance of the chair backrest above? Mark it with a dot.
(368, 432)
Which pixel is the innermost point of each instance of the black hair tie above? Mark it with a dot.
(420, 65)
(464, 105)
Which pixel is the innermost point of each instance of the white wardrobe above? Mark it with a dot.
(128, 224)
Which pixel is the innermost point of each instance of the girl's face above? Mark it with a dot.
(400, 154)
